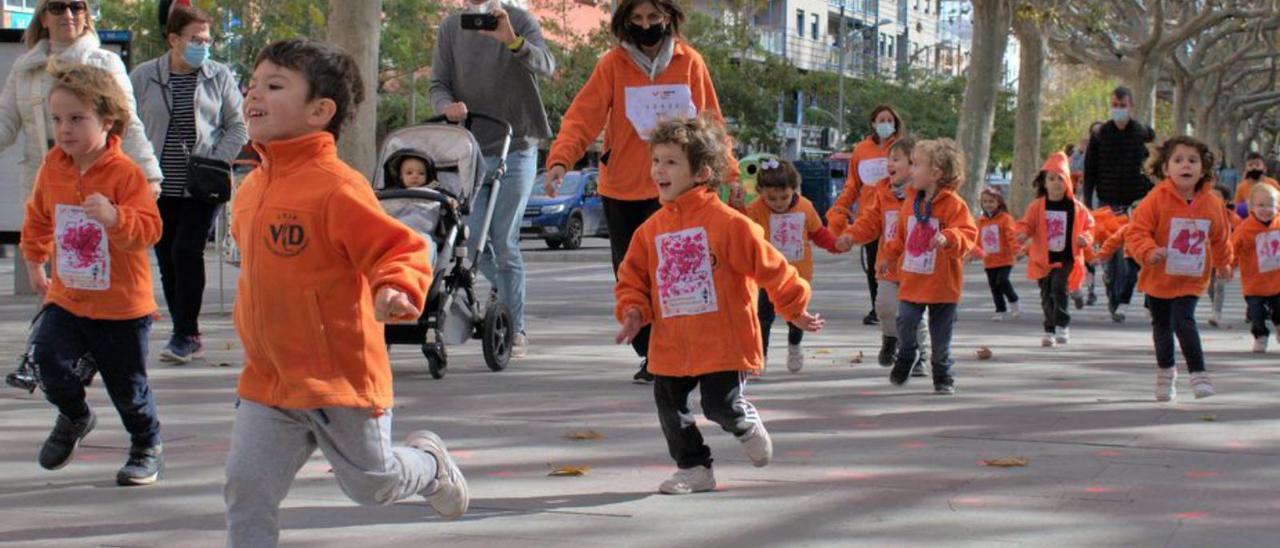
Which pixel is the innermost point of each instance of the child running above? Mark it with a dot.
(1178, 233)
(1256, 247)
(1217, 287)
(1059, 228)
(790, 223)
(999, 249)
(94, 216)
(935, 231)
(322, 267)
(691, 272)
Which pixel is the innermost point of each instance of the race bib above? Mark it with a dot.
(871, 171)
(1268, 246)
(786, 233)
(648, 105)
(991, 239)
(81, 243)
(921, 257)
(1188, 239)
(890, 224)
(685, 284)
(1056, 229)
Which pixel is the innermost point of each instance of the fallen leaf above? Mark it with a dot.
(984, 353)
(571, 471)
(856, 359)
(1007, 462)
(821, 352)
(584, 435)
(1209, 418)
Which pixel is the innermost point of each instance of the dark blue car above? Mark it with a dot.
(576, 211)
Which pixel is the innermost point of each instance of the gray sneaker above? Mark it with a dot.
(520, 347)
(689, 480)
(143, 466)
(758, 445)
(451, 496)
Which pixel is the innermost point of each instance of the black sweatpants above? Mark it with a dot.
(723, 402)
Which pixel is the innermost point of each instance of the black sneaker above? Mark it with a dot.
(643, 376)
(888, 350)
(871, 319)
(143, 466)
(1092, 299)
(1078, 299)
(901, 372)
(944, 389)
(63, 440)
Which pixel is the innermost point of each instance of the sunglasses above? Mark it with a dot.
(59, 8)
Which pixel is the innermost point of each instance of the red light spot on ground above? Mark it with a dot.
(1191, 515)
(1237, 444)
(1109, 453)
(502, 474)
(1201, 474)
(969, 501)
(799, 453)
(913, 445)
(1099, 490)
(664, 468)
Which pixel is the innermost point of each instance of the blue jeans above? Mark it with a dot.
(120, 349)
(942, 318)
(1176, 317)
(501, 262)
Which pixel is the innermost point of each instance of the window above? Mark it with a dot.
(800, 22)
(813, 25)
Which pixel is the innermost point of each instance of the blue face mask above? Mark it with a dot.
(1120, 115)
(885, 130)
(194, 55)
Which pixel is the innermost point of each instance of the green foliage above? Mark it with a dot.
(1067, 119)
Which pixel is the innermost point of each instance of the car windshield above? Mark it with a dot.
(573, 181)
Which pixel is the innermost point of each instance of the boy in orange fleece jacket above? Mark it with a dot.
(322, 266)
(1255, 246)
(935, 231)
(1179, 233)
(791, 224)
(93, 214)
(999, 249)
(691, 272)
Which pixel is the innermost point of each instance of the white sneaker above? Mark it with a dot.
(1047, 340)
(689, 480)
(1165, 381)
(520, 346)
(1259, 345)
(1216, 319)
(1201, 385)
(795, 358)
(1062, 335)
(1015, 310)
(757, 445)
(1000, 317)
(451, 496)
(1277, 332)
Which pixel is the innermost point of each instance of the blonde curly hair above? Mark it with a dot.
(96, 88)
(945, 156)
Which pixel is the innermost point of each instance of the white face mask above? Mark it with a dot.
(483, 7)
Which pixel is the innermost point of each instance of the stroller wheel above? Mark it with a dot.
(496, 336)
(437, 359)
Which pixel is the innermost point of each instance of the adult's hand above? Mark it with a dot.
(551, 182)
(504, 33)
(456, 112)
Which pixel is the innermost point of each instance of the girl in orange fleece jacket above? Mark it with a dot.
(1255, 246)
(692, 272)
(1059, 228)
(791, 224)
(935, 231)
(1179, 234)
(999, 249)
(93, 215)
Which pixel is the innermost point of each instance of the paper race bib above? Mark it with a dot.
(81, 248)
(890, 224)
(1056, 228)
(921, 257)
(991, 239)
(786, 233)
(685, 284)
(1188, 247)
(648, 105)
(873, 170)
(1267, 245)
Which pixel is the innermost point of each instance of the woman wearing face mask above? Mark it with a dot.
(867, 166)
(190, 105)
(61, 33)
(651, 74)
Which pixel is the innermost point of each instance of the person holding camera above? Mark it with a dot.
(190, 107)
(488, 60)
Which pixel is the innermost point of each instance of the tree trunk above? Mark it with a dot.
(991, 21)
(1026, 140)
(1183, 89)
(1144, 82)
(355, 26)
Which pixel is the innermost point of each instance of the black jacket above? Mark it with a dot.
(1113, 164)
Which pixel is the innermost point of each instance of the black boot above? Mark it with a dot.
(143, 466)
(63, 440)
(871, 319)
(888, 350)
(643, 376)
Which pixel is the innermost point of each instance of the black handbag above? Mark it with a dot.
(209, 179)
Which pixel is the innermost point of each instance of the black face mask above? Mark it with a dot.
(1254, 174)
(647, 37)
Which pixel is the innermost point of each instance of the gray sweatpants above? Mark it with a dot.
(269, 445)
(887, 310)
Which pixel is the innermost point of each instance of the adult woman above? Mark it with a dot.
(651, 73)
(60, 33)
(189, 105)
(867, 167)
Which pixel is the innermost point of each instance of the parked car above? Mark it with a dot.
(576, 211)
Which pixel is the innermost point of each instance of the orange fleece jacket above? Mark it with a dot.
(1035, 225)
(1150, 229)
(877, 217)
(758, 210)
(954, 221)
(602, 105)
(315, 247)
(1114, 243)
(1256, 249)
(867, 166)
(128, 294)
(998, 234)
(692, 272)
(1246, 186)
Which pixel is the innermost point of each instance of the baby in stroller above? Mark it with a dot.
(410, 168)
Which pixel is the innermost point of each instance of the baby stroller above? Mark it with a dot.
(452, 313)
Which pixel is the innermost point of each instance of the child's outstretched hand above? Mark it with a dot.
(1023, 239)
(630, 328)
(809, 322)
(883, 269)
(1225, 274)
(844, 243)
(939, 241)
(391, 304)
(1158, 256)
(39, 282)
(1082, 240)
(99, 208)
(737, 196)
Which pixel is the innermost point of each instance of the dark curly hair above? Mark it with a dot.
(1165, 152)
(331, 73)
(783, 176)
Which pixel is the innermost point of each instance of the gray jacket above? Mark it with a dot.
(220, 128)
(489, 78)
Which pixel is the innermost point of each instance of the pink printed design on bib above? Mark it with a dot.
(685, 283)
(1056, 229)
(82, 243)
(991, 239)
(920, 240)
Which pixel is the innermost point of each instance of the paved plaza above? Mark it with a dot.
(857, 462)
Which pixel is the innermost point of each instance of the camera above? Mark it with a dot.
(479, 21)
